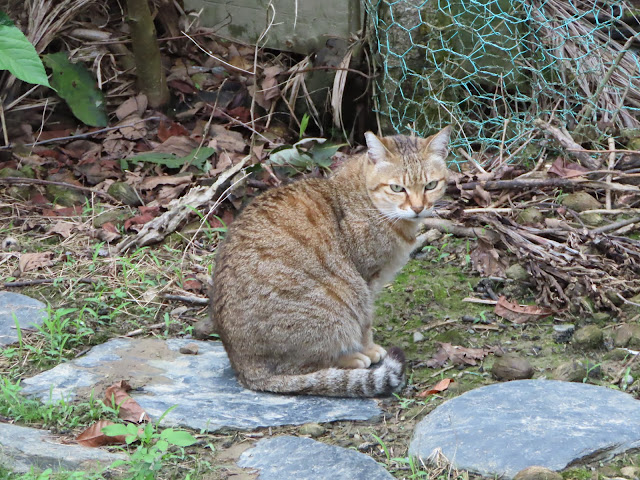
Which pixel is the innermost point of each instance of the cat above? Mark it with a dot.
(297, 273)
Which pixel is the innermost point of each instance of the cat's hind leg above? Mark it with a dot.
(354, 360)
(373, 351)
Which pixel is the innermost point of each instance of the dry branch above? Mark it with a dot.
(157, 229)
(568, 144)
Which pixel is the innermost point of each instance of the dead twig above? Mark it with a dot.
(568, 143)
(157, 229)
(43, 281)
(187, 299)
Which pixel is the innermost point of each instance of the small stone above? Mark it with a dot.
(312, 429)
(563, 333)
(592, 218)
(109, 216)
(617, 355)
(417, 337)
(468, 319)
(575, 371)
(189, 349)
(600, 318)
(530, 215)
(64, 196)
(627, 335)
(588, 337)
(630, 472)
(581, 201)
(203, 329)
(511, 367)
(517, 272)
(125, 193)
(613, 297)
(537, 473)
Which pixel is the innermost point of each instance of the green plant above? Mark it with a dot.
(154, 448)
(18, 55)
(304, 123)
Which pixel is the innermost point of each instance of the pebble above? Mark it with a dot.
(312, 429)
(417, 337)
(589, 337)
(189, 349)
(563, 333)
(537, 473)
(511, 367)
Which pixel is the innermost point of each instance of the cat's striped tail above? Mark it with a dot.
(382, 380)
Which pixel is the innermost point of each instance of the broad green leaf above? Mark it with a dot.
(290, 156)
(179, 438)
(197, 158)
(18, 55)
(77, 87)
(322, 154)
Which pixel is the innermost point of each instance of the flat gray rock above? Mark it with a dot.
(500, 429)
(203, 387)
(15, 306)
(306, 459)
(22, 448)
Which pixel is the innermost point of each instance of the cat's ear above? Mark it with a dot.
(376, 149)
(440, 142)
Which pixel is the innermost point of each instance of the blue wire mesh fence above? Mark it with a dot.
(490, 67)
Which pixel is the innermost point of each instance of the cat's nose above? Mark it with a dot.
(417, 208)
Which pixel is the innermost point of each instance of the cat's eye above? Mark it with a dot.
(431, 185)
(396, 188)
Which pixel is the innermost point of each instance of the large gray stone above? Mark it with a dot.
(203, 387)
(14, 306)
(306, 459)
(22, 448)
(501, 429)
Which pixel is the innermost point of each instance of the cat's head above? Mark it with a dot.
(407, 175)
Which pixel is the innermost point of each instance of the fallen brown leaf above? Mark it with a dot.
(33, 261)
(108, 233)
(519, 313)
(457, 355)
(116, 396)
(137, 105)
(565, 169)
(226, 140)
(486, 260)
(93, 436)
(64, 229)
(441, 386)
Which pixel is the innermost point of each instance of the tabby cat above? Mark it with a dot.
(297, 273)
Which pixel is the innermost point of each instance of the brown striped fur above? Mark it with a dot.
(297, 273)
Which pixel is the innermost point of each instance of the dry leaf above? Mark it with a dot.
(487, 261)
(456, 355)
(441, 386)
(150, 183)
(108, 233)
(228, 140)
(64, 229)
(180, 146)
(481, 196)
(129, 410)
(133, 105)
(519, 313)
(565, 169)
(33, 261)
(270, 86)
(93, 436)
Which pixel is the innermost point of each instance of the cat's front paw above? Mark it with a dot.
(354, 360)
(375, 353)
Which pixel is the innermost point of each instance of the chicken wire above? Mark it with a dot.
(490, 67)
